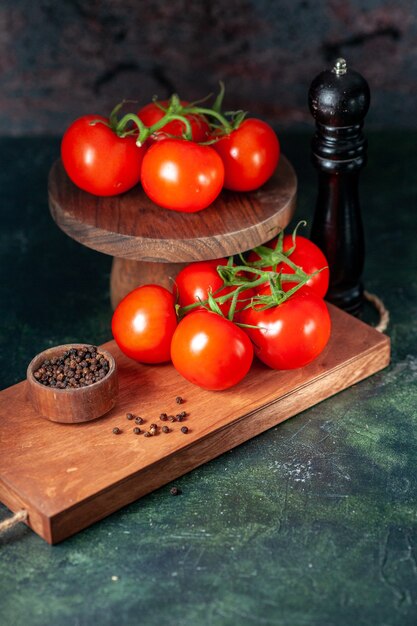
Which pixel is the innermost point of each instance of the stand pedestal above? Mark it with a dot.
(151, 244)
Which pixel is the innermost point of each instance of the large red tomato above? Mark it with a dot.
(182, 175)
(307, 256)
(290, 335)
(250, 155)
(210, 351)
(144, 322)
(150, 114)
(99, 161)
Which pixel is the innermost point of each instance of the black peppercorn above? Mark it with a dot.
(73, 369)
(184, 430)
(129, 416)
(136, 430)
(116, 431)
(139, 420)
(179, 400)
(175, 491)
(147, 434)
(165, 429)
(163, 417)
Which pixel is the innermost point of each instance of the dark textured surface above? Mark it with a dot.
(59, 60)
(310, 524)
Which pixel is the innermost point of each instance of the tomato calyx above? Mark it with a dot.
(221, 123)
(262, 280)
(131, 124)
(272, 257)
(249, 276)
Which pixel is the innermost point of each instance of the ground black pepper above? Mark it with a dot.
(77, 367)
(175, 491)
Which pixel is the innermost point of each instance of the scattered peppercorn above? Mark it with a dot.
(179, 400)
(139, 420)
(129, 416)
(163, 417)
(116, 431)
(171, 418)
(183, 414)
(175, 491)
(152, 429)
(137, 430)
(146, 434)
(184, 430)
(179, 417)
(165, 429)
(77, 367)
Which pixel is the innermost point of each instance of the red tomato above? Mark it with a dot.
(144, 322)
(151, 113)
(290, 335)
(210, 351)
(182, 175)
(250, 155)
(193, 283)
(307, 256)
(97, 160)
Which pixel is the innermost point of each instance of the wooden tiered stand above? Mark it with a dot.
(150, 244)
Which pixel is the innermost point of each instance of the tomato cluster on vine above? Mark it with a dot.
(221, 313)
(183, 154)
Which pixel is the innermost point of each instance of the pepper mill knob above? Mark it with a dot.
(339, 101)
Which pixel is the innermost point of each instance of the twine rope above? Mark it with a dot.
(382, 310)
(20, 516)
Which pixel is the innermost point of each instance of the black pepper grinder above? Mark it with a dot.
(339, 100)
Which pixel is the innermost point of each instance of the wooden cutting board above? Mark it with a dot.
(70, 476)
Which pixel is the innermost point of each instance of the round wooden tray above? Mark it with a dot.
(152, 244)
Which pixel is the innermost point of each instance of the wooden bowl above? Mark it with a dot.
(72, 405)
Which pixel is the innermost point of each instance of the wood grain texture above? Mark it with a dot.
(132, 227)
(70, 406)
(127, 275)
(70, 476)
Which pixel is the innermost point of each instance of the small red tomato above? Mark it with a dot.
(210, 351)
(307, 256)
(150, 114)
(250, 155)
(194, 282)
(291, 334)
(144, 322)
(99, 161)
(182, 175)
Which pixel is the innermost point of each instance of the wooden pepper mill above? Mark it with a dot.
(339, 100)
